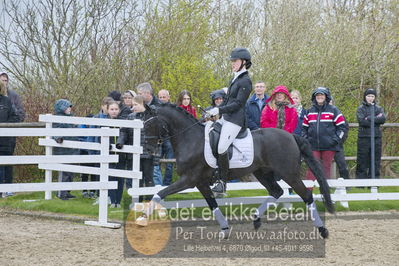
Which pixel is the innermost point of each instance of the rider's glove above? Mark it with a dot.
(213, 112)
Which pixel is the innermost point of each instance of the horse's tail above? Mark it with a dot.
(315, 167)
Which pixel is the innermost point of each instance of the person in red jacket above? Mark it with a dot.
(184, 101)
(280, 111)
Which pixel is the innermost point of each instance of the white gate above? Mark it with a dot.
(51, 162)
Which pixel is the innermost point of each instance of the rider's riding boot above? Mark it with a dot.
(223, 164)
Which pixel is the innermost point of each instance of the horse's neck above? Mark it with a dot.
(184, 134)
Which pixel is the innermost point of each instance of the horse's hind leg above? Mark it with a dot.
(266, 179)
(213, 205)
(306, 195)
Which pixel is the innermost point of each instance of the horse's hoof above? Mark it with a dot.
(162, 213)
(257, 223)
(224, 234)
(142, 221)
(323, 232)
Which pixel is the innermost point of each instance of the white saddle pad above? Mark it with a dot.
(243, 150)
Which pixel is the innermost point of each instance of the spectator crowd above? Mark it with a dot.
(322, 124)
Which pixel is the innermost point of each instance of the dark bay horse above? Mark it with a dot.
(277, 154)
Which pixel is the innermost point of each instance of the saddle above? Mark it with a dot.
(214, 137)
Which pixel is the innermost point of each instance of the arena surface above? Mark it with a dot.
(355, 239)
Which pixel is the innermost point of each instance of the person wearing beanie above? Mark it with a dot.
(63, 107)
(116, 95)
(363, 168)
(323, 126)
(217, 98)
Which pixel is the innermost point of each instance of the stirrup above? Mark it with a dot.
(219, 190)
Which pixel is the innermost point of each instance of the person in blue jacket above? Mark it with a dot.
(255, 105)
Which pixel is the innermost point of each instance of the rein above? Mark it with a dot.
(167, 131)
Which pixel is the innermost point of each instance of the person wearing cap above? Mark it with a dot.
(232, 111)
(324, 127)
(124, 110)
(363, 168)
(63, 107)
(255, 105)
(217, 98)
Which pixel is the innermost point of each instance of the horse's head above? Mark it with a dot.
(154, 130)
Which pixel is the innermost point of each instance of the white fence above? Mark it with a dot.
(340, 195)
(51, 162)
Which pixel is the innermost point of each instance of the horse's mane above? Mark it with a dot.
(182, 111)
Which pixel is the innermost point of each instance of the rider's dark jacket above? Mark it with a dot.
(233, 107)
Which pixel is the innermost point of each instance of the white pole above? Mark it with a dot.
(48, 173)
(136, 162)
(103, 201)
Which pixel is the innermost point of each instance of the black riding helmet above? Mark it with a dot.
(243, 54)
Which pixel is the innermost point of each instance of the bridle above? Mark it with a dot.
(161, 137)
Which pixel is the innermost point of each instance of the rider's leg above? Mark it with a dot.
(227, 135)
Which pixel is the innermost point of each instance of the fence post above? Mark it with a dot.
(287, 205)
(136, 162)
(341, 190)
(48, 173)
(103, 201)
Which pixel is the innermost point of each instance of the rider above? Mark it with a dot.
(232, 111)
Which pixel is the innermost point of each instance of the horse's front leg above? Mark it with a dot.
(213, 205)
(180, 185)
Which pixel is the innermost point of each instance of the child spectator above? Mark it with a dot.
(113, 112)
(126, 137)
(124, 110)
(324, 127)
(86, 177)
(184, 101)
(279, 111)
(363, 169)
(63, 107)
(102, 114)
(297, 98)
